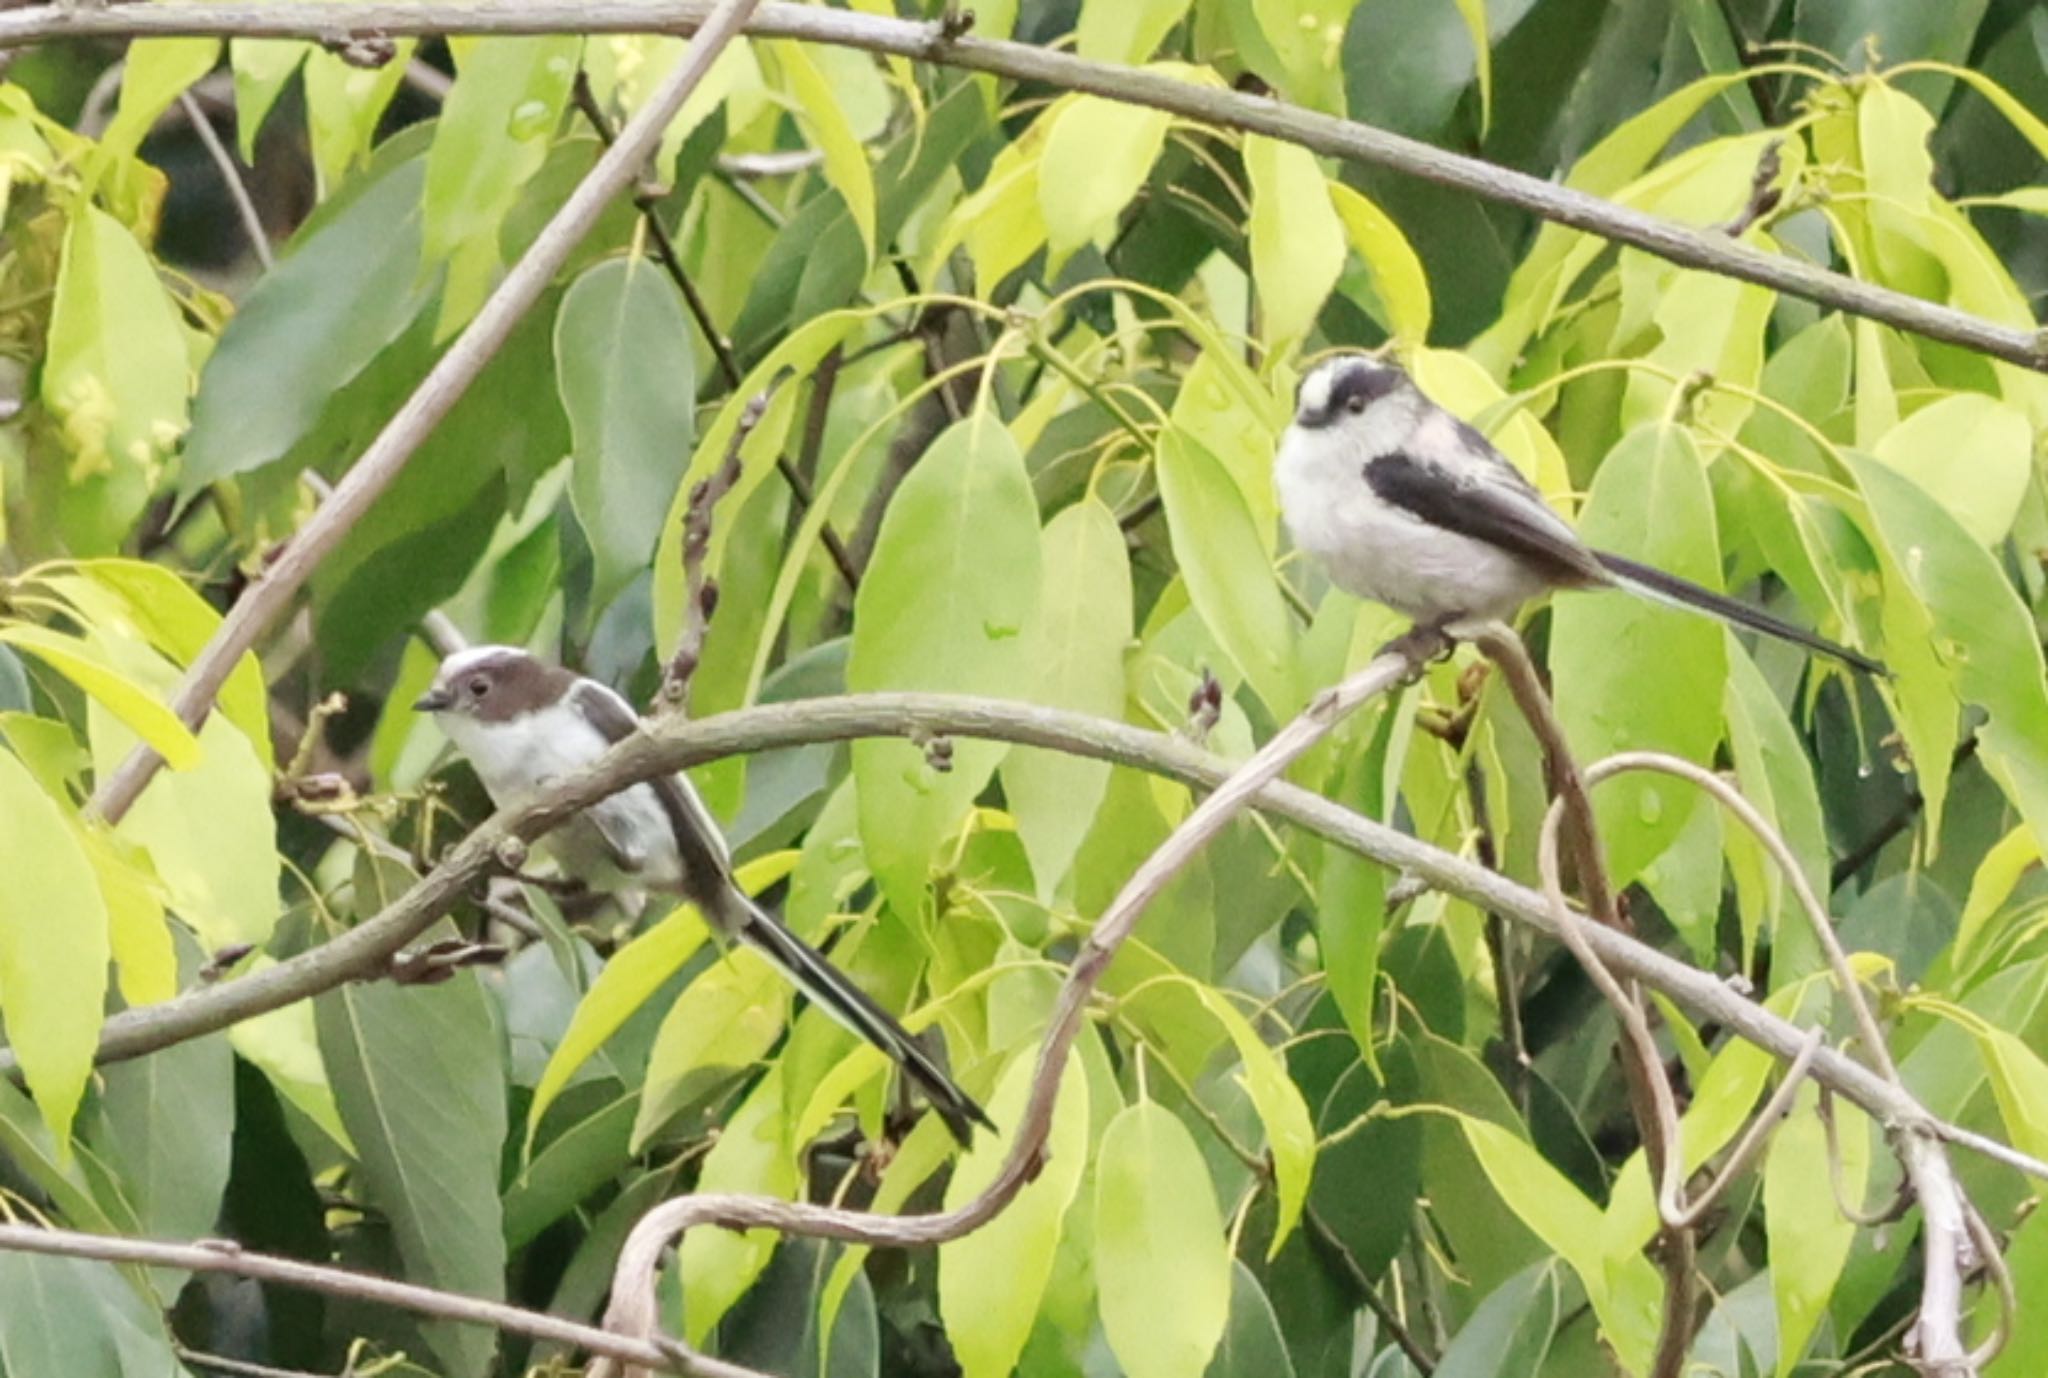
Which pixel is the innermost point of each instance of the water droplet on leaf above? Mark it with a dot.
(529, 120)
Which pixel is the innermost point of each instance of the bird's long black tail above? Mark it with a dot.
(1671, 589)
(831, 990)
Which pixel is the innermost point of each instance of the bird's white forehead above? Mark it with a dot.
(1315, 389)
(476, 658)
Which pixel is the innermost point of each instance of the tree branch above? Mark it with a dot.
(362, 951)
(938, 43)
(224, 1256)
(273, 591)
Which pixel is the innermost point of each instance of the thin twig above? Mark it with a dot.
(240, 1368)
(700, 590)
(1901, 818)
(1389, 1319)
(273, 591)
(231, 177)
(935, 42)
(224, 1256)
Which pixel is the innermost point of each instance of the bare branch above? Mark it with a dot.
(1684, 245)
(231, 177)
(224, 1256)
(273, 591)
(679, 744)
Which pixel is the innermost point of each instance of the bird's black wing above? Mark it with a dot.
(699, 843)
(1499, 509)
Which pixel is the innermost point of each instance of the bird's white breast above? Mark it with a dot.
(1377, 551)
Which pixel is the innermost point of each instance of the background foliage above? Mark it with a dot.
(1038, 347)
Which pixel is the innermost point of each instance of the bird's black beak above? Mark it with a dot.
(433, 701)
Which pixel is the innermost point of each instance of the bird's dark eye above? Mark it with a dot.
(1355, 402)
(479, 686)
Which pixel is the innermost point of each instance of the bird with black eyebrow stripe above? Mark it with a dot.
(525, 724)
(1403, 503)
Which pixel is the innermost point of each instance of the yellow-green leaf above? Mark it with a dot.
(947, 604)
(1809, 1236)
(2000, 870)
(137, 931)
(1983, 494)
(2019, 1080)
(1097, 155)
(53, 947)
(77, 661)
(824, 119)
(1162, 1261)
(1396, 269)
(1290, 1132)
(345, 102)
(116, 374)
(633, 974)
(493, 134)
(1297, 239)
(1084, 624)
(727, 1018)
(991, 1281)
(717, 1266)
(1125, 30)
(153, 74)
(1474, 14)
(1229, 577)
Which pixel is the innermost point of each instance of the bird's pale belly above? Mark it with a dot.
(1424, 571)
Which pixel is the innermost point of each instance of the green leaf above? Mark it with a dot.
(991, 1281)
(751, 1156)
(1650, 500)
(1397, 273)
(263, 67)
(164, 1124)
(174, 619)
(1253, 1344)
(1473, 12)
(1623, 1287)
(1307, 37)
(634, 973)
(493, 135)
(1983, 495)
(1290, 1133)
(209, 830)
(1230, 579)
(1162, 1263)
(1983, 634)
(1127, 31)
(285, 1046)
(1809, 1235)
(2019, 1081)
(344, 104)
(77, 661)
(628, 376)
(350, 285)
(417, 1077)
(727, 1019)
(154, 73)
(53, 948)
(2012, 856)
(946, 605)
(1297, 240)
(1774, 773)
(1083, 626)
(1097, 155)
(824, 118)
(78, 1316)
(116, 373)
(1510, 1332)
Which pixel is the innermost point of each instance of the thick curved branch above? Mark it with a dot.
(273, 591)
(364, 950)
(223, 1256)
(936, 43)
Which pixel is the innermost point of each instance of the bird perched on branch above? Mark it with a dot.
(525, 724)
(1403, 503)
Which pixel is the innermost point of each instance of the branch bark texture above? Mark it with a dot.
(936, 43)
